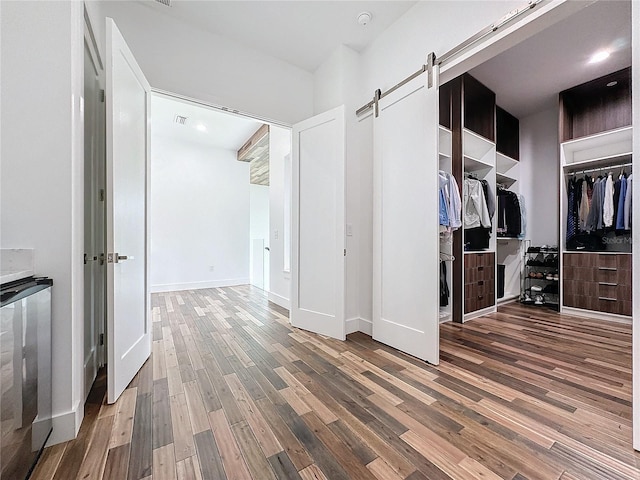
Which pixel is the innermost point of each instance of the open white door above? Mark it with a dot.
(405, 242)
(317, 240)
(127, 100)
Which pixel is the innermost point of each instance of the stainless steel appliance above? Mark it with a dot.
(25, 374)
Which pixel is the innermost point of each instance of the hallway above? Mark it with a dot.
(232, 391)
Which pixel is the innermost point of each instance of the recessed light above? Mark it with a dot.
(201, 127)
(599, 56)
(612, 84)
(364, 18)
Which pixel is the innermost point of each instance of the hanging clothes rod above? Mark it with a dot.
(600, 169)
(501, 22)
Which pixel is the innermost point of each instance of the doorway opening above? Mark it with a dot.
(217, 201)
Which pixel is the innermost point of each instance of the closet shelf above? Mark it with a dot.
(444, 142)
(602, 162)
(505, 180)
(505, 163)
(478, 148)
(474, 165)
(606, 145)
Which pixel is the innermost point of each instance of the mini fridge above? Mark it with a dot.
(25, 374)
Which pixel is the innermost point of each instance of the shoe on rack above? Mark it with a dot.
(533, 250)
(532, 274)
(549, 276)
(526, 298)
(536, 288)
(539, 300)
(540, 275)
(556, 277)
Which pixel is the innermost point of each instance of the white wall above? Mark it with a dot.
(539, 164)
(184, 59)
(41, 202)
(337, 83)
(259, 226)
(279, 280)
(199, 216)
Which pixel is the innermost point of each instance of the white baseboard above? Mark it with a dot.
(66, 425)
(279, 300)
(351, 325)
(479, 313)
(366, 326)
(174, 287)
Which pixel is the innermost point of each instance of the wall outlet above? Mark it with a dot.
(211, 268)
(349, 230)
(275, 234)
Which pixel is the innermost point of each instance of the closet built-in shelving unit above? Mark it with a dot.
(596, 137)
(484, 146)
(508, 249)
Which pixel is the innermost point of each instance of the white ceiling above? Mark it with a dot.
(302, 33)
(528, 77)
(222, 130)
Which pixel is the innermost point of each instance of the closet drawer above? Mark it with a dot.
(479, 266)
(480, 301)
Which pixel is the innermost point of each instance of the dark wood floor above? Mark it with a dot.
(231, 391)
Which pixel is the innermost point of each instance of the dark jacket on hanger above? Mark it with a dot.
(509, 214)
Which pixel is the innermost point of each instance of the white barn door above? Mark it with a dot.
(405, 220)
(127, 100)
(318, 216)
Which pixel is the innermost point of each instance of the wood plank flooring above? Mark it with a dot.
(232, 391)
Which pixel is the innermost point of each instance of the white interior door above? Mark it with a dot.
(257, 262)
(318, 216)
(405, 268)
(128, 100)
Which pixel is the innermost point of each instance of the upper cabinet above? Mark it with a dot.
(507, 134)
(479, 106)
(596, 106)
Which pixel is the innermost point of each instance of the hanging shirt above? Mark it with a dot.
(571, 217)
(476, 213)
(583, 210)
(620, 209)
(627, 203)
(607, 209)
(595, 213)
(455, 202)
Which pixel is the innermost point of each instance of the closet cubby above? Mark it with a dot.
(596, 140)
(596, 106)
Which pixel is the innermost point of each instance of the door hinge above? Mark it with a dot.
(85, 258)
(101, 195)
(101, 339)
(345, 252)
(102, 96)
(101, 259)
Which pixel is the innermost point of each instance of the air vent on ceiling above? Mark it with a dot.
(165, 2)
(180, 119)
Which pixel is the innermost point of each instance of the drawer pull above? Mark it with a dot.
(608, 299)
(611, 269)
(480, 297)
(481, 282)
(480, 269)
(608, 283)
